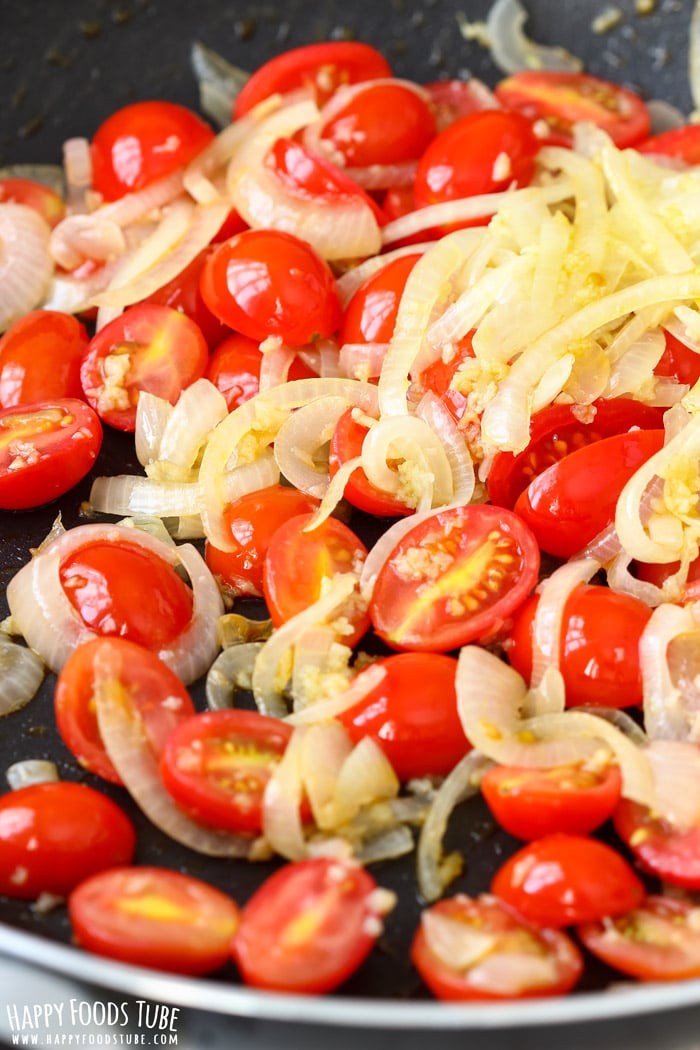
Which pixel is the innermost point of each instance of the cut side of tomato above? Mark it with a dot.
(478, 948)
(154, 917)
(666, 852)
(308, 927)
(456, 577)
(681, 143)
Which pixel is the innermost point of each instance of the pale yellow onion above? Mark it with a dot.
(554, 592)
(250, 477)
(141, 203)
(348, 282)
(362, 360)
(325, 747)
(132, 494)
(381, 550)
(77, 164)
(433, 411)
(277, 359)
(281, 806)
(356, 690)
(152, 415)
(665, 715)
(424, 473)
(80, 237)
(301, 444)
(25, 265)
(458, 945)
(198, 175)
(231, 671)
(30, 771)
(383, 176)
(334, 492)
(366, 777)
(199, 408)
(513, 51)
(21, 674)
(675, 766)
(320, 667)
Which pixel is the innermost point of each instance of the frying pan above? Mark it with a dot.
(63, 69)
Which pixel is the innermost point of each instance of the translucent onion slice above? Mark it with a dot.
(152, 415)
(134, 206)
(554, 592)
(231, 671)
(356, 690)
(383, 176)
(676, 768)
(433, 411)
(21, 674)
(348, 282)
(301, 445)
(80, 237)
(665, 714)
(25, 264)
(128, 494)
(200, 172)
(434, 871)
(30, 771)
(512, 50)
(199, 408)
(458, 944)
(362, 360)
(403, 456)
(77, 164)
(124, 737)
(282, 826)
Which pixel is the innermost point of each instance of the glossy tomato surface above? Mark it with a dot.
(668, 853)
(154, 917)
(40, 358)
(383, 122)
(346, 444)
(183, 293)
(234, 369)
(47, 844)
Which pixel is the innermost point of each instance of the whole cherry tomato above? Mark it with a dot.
(40, 358)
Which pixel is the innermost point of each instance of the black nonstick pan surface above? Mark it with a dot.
(64, 67)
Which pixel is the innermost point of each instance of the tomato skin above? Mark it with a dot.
(253, 519)
(555, 431)
(307, 928)
(412, 715)
(569, 503)
(143, 142)
(679, 361)
(346, 444)
(381, 123)
(682, 143)
(432, 591)
(165, 352)
(599, 645)
(216, 765)
(35, 195)
(370, 315)
(154, 917)
(40, 358)
(269, 283)
(46, 447)
(488, 915)
(183, 294)
(531, 803)
(321, 67)
(661, 850)
(234, 369)
(157, 692)
(560, 99)
(120, 589)
(561, 880)
(655, 942)
(462, 160)
(297, 562)
(47, 845)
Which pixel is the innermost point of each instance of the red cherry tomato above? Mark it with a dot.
(657, 941)
(46, 448)
(384, 122)
(569, 503)
(662, 850)
(679, 361)
(680, 143)
(269, 283)
(399, 201)
(556, 431)
(370, 315)
(530, 803)
(122, 589)
(47, 844)
(297, 562)
(144, 142)
(148, 347)
(40, 358)
(550, 962)
(183, 294)
(412, 714)
(346, 444)
(439, 376)
(35, 195)
(562, 99)
(481, 153)
(561, 880)
(599, 646)
(216, 766)
(234, 369)
(308, 927)
(454, 578)
(154, 917)
(320, 68)
(156, 691)
(253, 519)
(452, 99)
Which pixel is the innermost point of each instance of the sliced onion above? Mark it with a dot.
(21, 674)
(215, 156)
(231, 671)
(423, 475)
(676, 768)
(554, 592)
(200, 407)
(383, 176)
(460, 945)
(30, 771)
(357, 689)
(433, 410)
(219, 82)
(365, 777)
(80, 237)
(362, 360)
(131, 494)
(282, 826)
(348, 282)
(512, 51)
(152, 415)
(25, 264)
(137, 205)
(326, 746)
(301, 444)
(665, 715)
(77, 164)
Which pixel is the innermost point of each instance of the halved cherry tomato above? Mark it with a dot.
(156, 691)
(569, 503)
(679, 361)
(530, 803)
(439, 376)
(35, 195)
(40, 358)
(154, 917)
(411, 714)
(480, 153)
(46, 447)
(456, 577)
(662, 850)
(321, 68)
(216, 766)
(384, 122)
(562, 99)
(561, 880)
(556, 431)
(516, 959)
(122, 589)
(234, 369)
(269, 283)
(297, 562)
(308, 927)
(54, 835)
(183, 294)
(598, 648)
(346, 444)
(252, 520)
(682, 143)
(657, 941)
(370, 315)
(399, 201)
(148, 347)
(143, 142)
